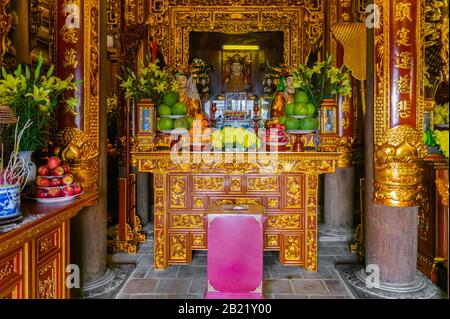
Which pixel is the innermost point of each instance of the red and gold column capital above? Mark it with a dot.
(399, 102)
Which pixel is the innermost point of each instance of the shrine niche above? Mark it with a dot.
(301, 22)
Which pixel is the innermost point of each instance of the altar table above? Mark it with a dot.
(286, 185)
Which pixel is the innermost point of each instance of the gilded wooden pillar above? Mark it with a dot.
(77, 30)
(399, 103)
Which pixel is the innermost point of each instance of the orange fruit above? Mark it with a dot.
(199, 116)
(205, 123)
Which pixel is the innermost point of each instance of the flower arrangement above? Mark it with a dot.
(322, 81)
(151, 82)
(33, 97)
(442, 140)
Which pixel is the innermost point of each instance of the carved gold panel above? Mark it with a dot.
(235, 201)
(48, 243)
(198, 240)
(208, 184)
(178, 247)
(11, 267)
(301, 22)
(295, 192)
(292, 250)
(272, 241)
(177, 192)
(198, 202)
(186, 221)
(285, 221)
(235, 184)
(262, 184)
(273, 203)
(47, 280)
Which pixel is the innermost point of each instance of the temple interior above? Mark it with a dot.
(229, 149)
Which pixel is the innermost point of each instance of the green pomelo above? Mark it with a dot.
(282, 119)
(309, 123)
(301, 97)
(301, 109)
(289, 109)
(171, 98)
(164, 110)
(311, 109)
(165, 124)
(181, 123)
(179, 109)
(292, 124)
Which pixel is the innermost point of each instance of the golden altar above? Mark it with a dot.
(285, 183)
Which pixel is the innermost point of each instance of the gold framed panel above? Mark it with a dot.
(172, 21)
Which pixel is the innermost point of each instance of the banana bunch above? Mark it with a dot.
(441, 114)
(230, 136)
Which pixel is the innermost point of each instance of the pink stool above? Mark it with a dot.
(235, 252)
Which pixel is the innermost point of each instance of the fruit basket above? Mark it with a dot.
(55, 183)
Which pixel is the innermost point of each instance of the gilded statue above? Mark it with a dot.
(188, 91)
(283, 97)
(236, 75)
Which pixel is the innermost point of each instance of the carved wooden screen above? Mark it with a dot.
(301, 21)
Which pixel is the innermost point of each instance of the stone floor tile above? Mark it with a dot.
(148, 296)
(123, 296)
(142, 286)
(192, 272)
(322, 273)
(326, 297)
(347, 259)
(173, 286)
(266, 272)
(330, 251)
(199, 260)
(185, 296)
(139, 273)
(284, 272)
(289, 296)
(169, 272)
(123, 258)
(282, 286)
(336, 287)
(310, 287)
(326, 261)
(198, 286)
(146, 261)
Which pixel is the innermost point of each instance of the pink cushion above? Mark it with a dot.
(235, 256)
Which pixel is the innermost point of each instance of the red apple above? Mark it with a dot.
(66, 168)
(68, 191)
(53, 162)
(41, 193)
(59, 171)
(76, 188)
(42, 181)
(54, 193)
(43, 170)
(55, 182)
(67, 180)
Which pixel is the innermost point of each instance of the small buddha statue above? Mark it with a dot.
(236, 81)
(188, 92)
(283, 97)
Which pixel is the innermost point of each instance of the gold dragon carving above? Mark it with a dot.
(208, 184)
(186, 221)
(262, 184)
(284, 221)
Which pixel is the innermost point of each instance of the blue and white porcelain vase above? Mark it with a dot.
(32, 171)
(9, 201)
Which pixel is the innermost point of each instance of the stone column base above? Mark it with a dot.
(108, 285)
(335, 233)
(356, 278)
